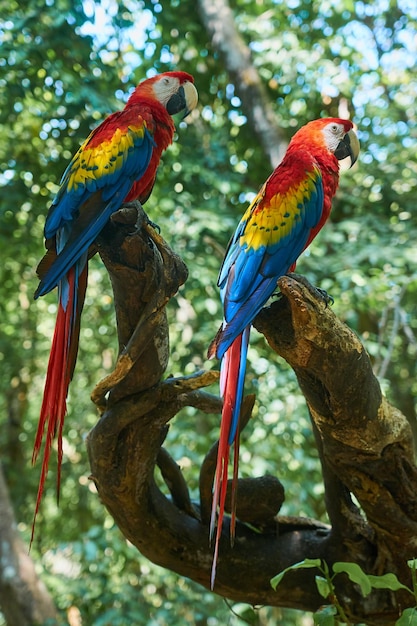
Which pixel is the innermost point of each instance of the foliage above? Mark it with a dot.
(333, 614)
(63, 66)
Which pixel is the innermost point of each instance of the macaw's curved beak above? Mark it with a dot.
(185, 99)
(348, 147)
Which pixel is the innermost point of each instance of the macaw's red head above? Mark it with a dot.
(332, 134)
(174, 90)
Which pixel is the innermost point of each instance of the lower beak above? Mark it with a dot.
(348, 147)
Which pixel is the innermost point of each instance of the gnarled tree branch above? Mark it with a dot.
(364, 444)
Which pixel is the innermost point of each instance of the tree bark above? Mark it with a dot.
(219, 22)
(24, 599)
(365, 445)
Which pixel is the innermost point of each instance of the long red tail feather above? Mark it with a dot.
(61, 365)
(231, 385)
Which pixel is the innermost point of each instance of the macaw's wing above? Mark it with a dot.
(93, 186)
(269, 239)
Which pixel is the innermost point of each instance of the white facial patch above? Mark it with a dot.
(166, 87)
(333, 135)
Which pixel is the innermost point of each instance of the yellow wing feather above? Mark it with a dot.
(104, 159)
(270, 220)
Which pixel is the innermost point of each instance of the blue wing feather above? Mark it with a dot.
(81, 209)
(70, 199)
(254, 261)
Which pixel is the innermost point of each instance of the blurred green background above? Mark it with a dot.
(64, 65)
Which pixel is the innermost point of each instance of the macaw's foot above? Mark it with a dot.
(316, 291)
(129, 214)
(132, 213)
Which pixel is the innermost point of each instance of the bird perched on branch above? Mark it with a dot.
(117, 163)
(285, 216)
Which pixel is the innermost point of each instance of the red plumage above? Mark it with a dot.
(61, 366)
(288, 212)
(117, 163)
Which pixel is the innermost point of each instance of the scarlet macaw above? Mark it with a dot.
(117, 163)
(288, 212)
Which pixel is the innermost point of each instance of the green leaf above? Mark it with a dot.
(306, 564)
(355, 574)
(325, 616)
(408, 618)
(309, 563)
(412, 563)
(387, 581)
(323, 586)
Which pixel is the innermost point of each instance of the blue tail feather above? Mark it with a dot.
(78, 246)
(240, 385)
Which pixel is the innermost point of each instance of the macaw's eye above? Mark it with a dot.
(334, 128)
(166, 81)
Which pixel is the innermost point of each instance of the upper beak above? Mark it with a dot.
(348, 147)
(185, 99)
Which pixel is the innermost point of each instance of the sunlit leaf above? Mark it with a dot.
(323, 586)
(408, 618)
(306, 564)
(355, 574)
(387, 581)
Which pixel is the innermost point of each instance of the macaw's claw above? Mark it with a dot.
(328, 299)
(155, 226)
